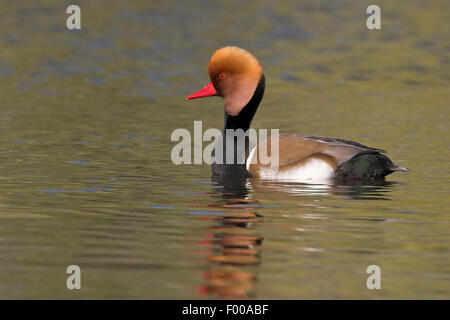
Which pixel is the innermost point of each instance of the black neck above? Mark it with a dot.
(245, 117)
(240, 121)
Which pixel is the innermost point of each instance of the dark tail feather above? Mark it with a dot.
(367, 166)
(397, 168)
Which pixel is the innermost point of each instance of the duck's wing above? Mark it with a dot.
(342, 150)
(294, 150)
(343, 141)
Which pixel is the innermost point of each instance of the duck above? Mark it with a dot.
(237, 77)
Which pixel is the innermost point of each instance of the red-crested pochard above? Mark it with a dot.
(237, 77)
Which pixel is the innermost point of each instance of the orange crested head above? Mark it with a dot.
(235, 74)
(232, 60)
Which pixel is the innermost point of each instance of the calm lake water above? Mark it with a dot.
(87, 179)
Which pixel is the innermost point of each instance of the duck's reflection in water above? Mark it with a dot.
(234, 259)
(360, 190)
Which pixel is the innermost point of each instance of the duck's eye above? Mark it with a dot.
(222, 76)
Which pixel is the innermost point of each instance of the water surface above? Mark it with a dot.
(86, 175)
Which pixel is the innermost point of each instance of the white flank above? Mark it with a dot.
(314, 170)
(249, 158)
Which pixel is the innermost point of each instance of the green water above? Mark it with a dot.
(86, 176)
